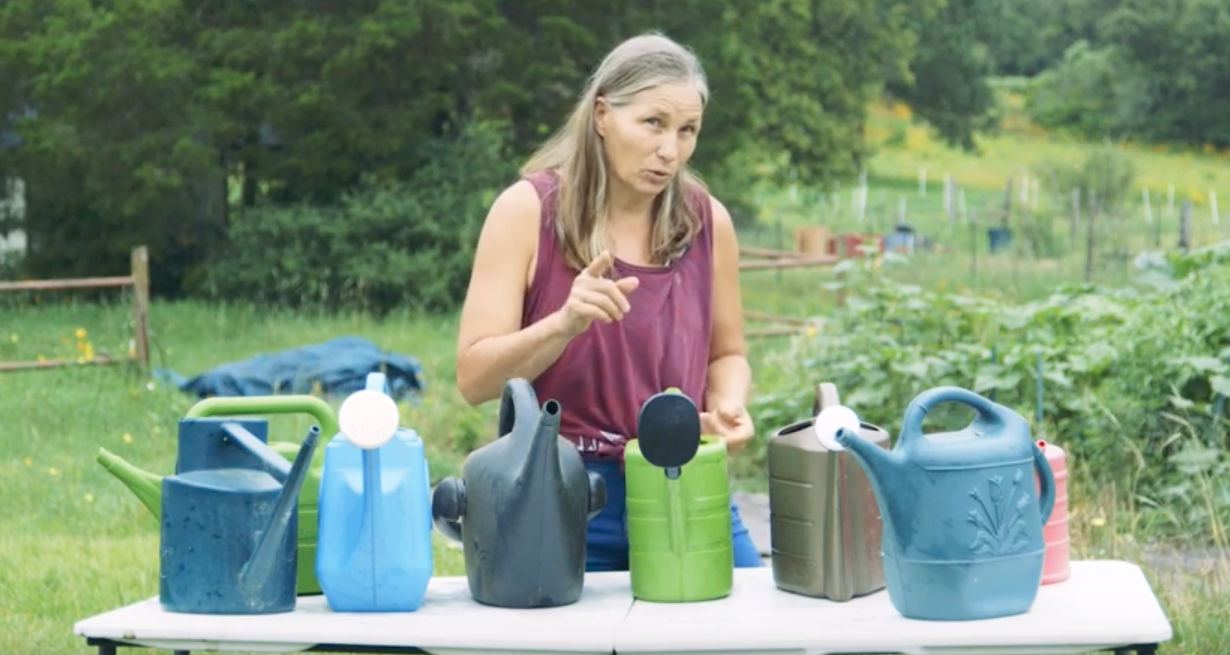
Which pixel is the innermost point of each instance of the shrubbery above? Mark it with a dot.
(1092, 92)
(1134, 381)
(387, 244)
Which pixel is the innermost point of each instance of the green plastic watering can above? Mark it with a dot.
(678, 505)
(148, 486)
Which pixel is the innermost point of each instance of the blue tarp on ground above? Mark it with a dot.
(339, 365)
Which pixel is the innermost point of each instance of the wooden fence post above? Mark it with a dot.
(1076, 216)
(140, 304)
(1185, 225)
(1089, 243)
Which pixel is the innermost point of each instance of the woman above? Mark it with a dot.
(608, 273)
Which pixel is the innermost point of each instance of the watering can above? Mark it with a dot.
(521, 507)
(374, 552)
(229, 521)
(678, 505)
(146, 486)
(962, 524)
(1055, 565)
(824, 524)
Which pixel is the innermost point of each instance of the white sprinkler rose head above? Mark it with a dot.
(832, 419)
(368, 418)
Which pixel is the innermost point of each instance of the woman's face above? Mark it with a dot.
(649, 139)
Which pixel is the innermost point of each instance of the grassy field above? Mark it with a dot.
(1045, 251)
(78, 543)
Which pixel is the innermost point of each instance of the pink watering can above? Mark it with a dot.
(1055, 531)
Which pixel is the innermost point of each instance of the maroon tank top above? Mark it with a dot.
(608, 371)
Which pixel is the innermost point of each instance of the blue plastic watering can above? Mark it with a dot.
(962, 533)
(374, 550)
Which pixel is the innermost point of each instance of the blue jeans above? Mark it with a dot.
(606, 540)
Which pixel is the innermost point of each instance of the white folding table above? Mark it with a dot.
(1104, 606)
(449, 621)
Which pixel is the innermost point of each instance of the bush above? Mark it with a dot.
(388, 244)
(1092, 93)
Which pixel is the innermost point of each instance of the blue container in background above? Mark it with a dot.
(999, 238)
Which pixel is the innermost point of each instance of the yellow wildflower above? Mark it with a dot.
(53, 471)
(80, 333)
(89, 497)
(28, 461)
(127, 438)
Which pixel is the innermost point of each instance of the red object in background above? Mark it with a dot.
(847, 245)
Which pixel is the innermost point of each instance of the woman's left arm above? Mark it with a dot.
(730, 376)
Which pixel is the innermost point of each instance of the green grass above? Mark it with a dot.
(1044, 252)
(1020, 145)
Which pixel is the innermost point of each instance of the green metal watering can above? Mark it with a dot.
(148, 486)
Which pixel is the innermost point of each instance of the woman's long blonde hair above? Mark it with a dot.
(575, 153)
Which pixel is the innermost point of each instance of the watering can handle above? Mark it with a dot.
(377, 382)
(911, 425)
(826, 396)
(250, 405)
(518, 404)
(1046, 483)
(448, 506)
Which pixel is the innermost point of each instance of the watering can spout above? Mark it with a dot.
(880, 464)
(145, 485)
(262, 563)
(545, 447)
(534, 442)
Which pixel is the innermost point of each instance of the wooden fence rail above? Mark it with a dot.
(138, 279)
(807, 254)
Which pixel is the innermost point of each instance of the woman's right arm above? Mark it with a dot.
(491, 346)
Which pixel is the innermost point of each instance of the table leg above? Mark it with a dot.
(1139, 649)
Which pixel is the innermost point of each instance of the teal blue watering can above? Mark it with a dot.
(962, 535)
